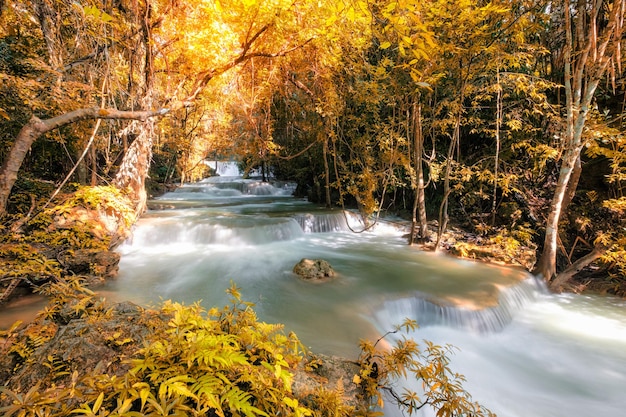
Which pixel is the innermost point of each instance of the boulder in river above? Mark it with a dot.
(314, 269)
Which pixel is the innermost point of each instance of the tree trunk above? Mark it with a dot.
(49, 22)
(133, 171)
(496, 162)
(584, 68)
(547, 262)
(326, 174)
(37, 127)
(94, 166)
(81, 169)
(573, 184)
(564, 277)
(25, 138)
(443, 208)
(419, 204)
(455, 141)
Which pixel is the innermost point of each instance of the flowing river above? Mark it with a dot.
(523, 351)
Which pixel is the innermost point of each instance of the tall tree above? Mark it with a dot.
(181, 46)
(593, 37)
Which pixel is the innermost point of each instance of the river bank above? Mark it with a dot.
(79, 339)
(113, 342)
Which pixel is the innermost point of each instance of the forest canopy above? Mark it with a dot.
(505, 116)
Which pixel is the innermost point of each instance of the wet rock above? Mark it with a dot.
(79, 345)
(314, 269)
(329, 372)
(90, 261)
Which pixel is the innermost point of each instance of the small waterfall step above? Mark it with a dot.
(229, 187)
(222, 230)
(327, 222)
(469, 314)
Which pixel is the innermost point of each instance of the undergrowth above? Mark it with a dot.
(189, 361)
(220, 362)
(33, 250)
(426, 366)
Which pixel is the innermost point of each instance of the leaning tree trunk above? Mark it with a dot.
(583, 70)
(37, 127)
(24, 140)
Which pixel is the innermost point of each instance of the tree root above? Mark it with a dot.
(9, 290)
(560, 280)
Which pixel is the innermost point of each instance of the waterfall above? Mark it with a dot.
(524, 352)
(337, 221)
(224, 168)
(235, 231)
(322, 223)
(428, 311)
(229, 187)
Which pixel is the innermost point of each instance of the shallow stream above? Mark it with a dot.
(523, 351)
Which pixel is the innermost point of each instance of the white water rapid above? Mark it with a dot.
(531, 354)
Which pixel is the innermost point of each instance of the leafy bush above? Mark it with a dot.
(221, 362)
(442, 389)
(187, 361)
(89, 219)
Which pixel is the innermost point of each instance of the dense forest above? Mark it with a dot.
(505, 114)
(503, 119)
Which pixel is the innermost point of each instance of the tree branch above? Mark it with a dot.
(37, 127)
(561, 279)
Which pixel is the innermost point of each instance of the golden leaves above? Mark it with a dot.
(97, 14)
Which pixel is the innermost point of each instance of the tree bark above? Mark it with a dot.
(419, 204)
(131, 177)
(573, 184)
(455, 141)
(546, 266)
(36, 127)
(48, 19)
(584, 68)
(564, 277)
(326, 174)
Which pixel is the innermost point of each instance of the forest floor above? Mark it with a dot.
(459, 241)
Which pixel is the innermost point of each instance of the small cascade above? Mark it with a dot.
(322, 222)
(228, 187)
(260, 188)
(285, 187)
(342, 221)
(224, 168)
(429, 312)
(225, 230)
(200, 193)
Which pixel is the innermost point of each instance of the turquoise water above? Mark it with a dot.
(524, 352)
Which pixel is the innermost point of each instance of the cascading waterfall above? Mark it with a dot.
(430, 312)
(328, 222)
(524, 352)
(224, 168)
(219, 230)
